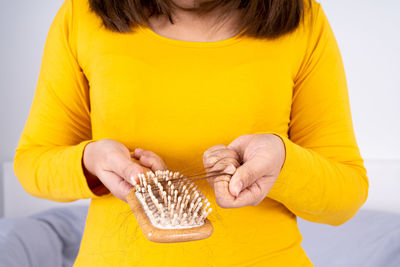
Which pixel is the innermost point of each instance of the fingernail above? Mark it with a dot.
(134, 178)
(239, 188)
(138, 150)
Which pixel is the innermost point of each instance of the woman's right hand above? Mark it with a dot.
(110, 162)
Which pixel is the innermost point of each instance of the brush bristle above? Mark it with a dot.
(171, 201)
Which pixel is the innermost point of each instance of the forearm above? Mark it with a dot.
(54, 173)
(320, 189)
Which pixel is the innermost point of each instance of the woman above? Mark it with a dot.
(255, 88)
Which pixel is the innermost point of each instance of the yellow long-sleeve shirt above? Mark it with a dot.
(178, 98)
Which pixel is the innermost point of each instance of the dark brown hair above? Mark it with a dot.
(259, 18)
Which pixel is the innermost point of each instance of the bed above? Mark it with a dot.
(40, 233)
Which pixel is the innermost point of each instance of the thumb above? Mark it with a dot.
(125, 168)
(246, 175)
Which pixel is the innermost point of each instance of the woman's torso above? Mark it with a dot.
(179, 98)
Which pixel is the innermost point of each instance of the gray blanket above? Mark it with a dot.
(370, 239)
(48, 239)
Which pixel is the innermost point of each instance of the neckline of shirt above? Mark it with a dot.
(190, 44)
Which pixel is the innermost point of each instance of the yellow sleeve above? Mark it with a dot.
(48, 160)
(323, 178)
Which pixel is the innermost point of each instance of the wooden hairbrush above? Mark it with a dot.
(169, 208)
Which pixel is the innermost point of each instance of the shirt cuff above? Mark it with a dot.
(280, 187)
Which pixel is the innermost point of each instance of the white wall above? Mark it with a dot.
(368, 32)
(23, 28)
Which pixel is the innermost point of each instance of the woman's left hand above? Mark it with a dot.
(255, 162)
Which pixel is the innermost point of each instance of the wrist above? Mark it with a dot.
(93, 182)
(281, 151)
(275, 144)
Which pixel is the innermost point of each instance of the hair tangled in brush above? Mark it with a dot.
(171, 201)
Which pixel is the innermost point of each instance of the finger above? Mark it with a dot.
(215, 156)
(220, 184)
(239, 144)
(222, 195)
(250, 196)
(153, 163)
(211, 160)
(228, 168)
(214, 148)
(123, 166)
(138, 152)
(223, 164)
(247, 174)
(150, 159)
(118, 186)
